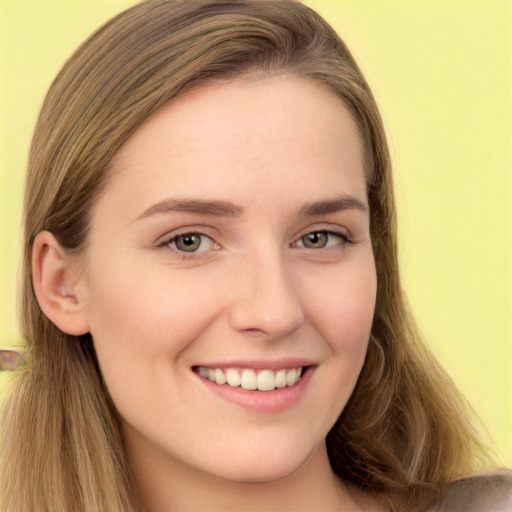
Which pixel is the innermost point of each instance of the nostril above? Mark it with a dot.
(273, 320)
(253, 330)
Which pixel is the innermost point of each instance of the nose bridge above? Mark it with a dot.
(265, 297)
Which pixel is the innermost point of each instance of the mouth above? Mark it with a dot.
(260, 387)
(250, 379)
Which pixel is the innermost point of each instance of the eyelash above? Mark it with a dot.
(344, 238)
(166, 243)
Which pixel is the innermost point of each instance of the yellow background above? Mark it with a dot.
(441, 73)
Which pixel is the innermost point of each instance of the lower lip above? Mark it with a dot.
(262, 401)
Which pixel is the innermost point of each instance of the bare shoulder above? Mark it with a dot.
(490, 492)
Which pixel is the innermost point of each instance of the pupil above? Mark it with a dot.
(189, 240)
(315, 240)
(188, 243)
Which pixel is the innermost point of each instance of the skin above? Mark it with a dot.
(252, 291)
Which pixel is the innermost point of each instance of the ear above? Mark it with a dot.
(54, 280)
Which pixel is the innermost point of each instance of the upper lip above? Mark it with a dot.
(259, 364)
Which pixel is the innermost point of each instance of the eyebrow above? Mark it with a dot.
(327, 206)
(222, 208)
(216, 208)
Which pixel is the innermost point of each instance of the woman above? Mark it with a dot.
(211, 300)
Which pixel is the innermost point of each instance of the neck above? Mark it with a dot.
(168, 485)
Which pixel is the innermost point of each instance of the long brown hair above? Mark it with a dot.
(403, 434)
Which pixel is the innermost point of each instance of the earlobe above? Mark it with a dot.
(55, 285)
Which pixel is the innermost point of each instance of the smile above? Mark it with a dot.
(250, 379)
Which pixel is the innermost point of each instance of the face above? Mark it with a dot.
(230, 249)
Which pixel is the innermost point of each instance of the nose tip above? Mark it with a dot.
(267, 303)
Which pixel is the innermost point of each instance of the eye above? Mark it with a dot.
(322, 240)
(190, 242)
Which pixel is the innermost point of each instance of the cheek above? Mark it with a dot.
(139, 318)
(342, 308)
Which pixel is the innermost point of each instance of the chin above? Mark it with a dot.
(260, 475)
(264, 467)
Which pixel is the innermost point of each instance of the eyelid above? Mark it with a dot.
(185, 230)
(341, 239)
(329, 229)
(164, 242)
(335, 230)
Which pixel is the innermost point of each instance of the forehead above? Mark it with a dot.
(228, 137)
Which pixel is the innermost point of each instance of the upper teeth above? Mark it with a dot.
(250, 380)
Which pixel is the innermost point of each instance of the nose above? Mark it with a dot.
(266, 299)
